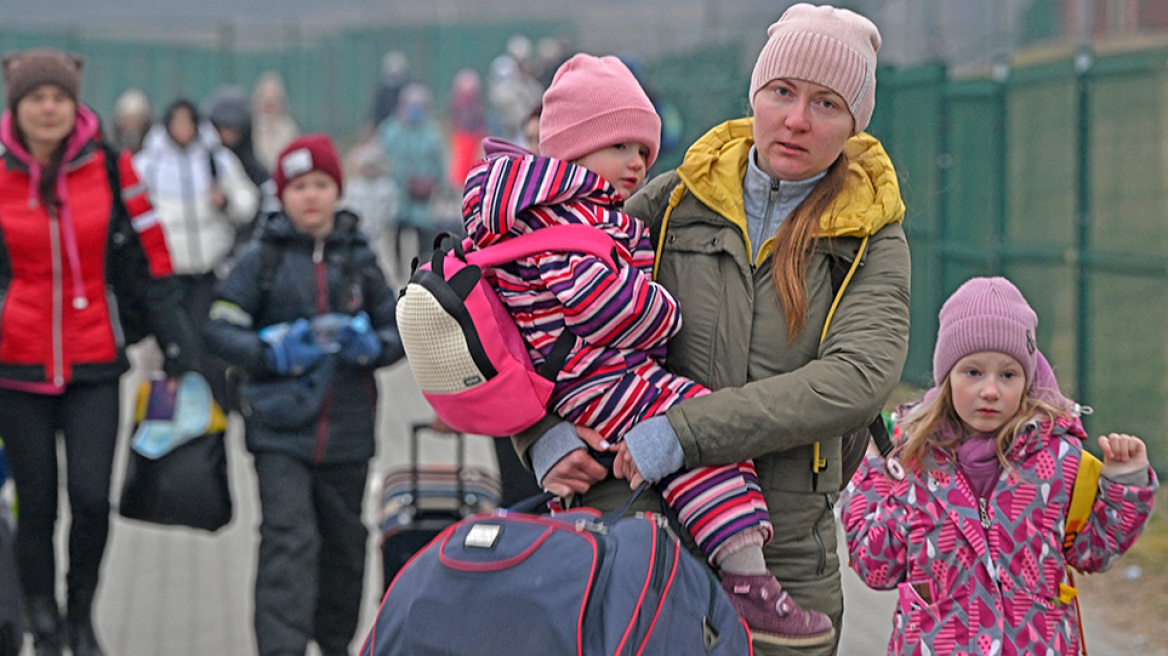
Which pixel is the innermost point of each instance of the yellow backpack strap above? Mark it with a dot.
(1082, 501)
(674, 198)
(1082, 496)
(818, 463)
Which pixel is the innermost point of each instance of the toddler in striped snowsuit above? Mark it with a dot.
(599, 134)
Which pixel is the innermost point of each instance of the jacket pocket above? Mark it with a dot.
(699, 269)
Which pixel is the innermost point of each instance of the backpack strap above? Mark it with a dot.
(841, 274)
(1082, 502)
(568, 238)
(271, 255)
(1082, 496)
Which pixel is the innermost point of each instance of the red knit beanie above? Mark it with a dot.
(28, 69)
(593, 103)
(986, 314)
(311, 152)
(835, 48)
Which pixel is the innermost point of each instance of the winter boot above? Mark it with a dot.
(44, 620)
(79, 622)
(772, 615)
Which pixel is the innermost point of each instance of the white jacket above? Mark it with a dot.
(180, 181)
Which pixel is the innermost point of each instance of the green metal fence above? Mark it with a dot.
(330, 79)
(1054, 174)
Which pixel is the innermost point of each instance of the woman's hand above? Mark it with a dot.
(625, 467)
(575, 473)
(1122, 454)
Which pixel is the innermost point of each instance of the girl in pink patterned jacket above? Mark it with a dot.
(966, 518)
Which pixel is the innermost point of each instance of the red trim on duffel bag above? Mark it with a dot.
(371, 639)
(664, 593)
(655, 554)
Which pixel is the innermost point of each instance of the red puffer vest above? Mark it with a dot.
(56, 324)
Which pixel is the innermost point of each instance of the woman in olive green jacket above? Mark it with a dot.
(749, 231)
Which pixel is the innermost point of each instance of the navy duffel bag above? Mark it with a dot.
(578, 582)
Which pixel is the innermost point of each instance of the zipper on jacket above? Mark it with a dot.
(58, 298)
(320, 272)
(820, 548)
(767, 220)
(983, 512)
(190, 214)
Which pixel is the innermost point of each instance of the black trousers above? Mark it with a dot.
(311, 565)
(85, 416)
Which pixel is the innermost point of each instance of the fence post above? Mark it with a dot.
(1083, 62)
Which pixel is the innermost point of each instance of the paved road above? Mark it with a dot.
(186, 593)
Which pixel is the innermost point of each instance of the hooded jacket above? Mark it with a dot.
(621, 318)
(58, 311)
(338, 273)
(995, 588)
(180, 180)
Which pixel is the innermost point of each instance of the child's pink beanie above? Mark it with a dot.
(986, 314)
(832, 47)
(593, 103)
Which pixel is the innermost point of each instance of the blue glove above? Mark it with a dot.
(359, 344)
(295, 352)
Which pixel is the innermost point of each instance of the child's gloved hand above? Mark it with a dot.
(295, 352)
(1122, 454)
(359, 344)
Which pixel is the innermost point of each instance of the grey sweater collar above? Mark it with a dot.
(760, 192)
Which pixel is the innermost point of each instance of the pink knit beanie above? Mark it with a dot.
(835, 48)
(593, 103)
(986, 314)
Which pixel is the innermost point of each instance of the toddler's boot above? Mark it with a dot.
(772, 615)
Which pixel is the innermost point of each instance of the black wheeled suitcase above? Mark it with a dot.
(419, 500)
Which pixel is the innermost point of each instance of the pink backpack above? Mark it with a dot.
(464, 348)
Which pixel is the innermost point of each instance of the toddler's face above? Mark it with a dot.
(310, 201)
(623, 165)
(987, 390)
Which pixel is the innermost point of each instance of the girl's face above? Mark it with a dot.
(623, 165)
(46, 116)
(181, 127)
(310, 201)
(987, 390)
(800, 128)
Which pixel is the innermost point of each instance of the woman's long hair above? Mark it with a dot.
(47, 188)
(935, 424)
(795, 242)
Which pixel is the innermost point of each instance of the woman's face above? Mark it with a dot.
(800, 128)
(181, 127)
(46, 116)
(310, 201)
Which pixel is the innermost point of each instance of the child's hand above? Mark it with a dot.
(624, 467)
(1122, 454)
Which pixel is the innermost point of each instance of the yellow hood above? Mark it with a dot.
(716, 164)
